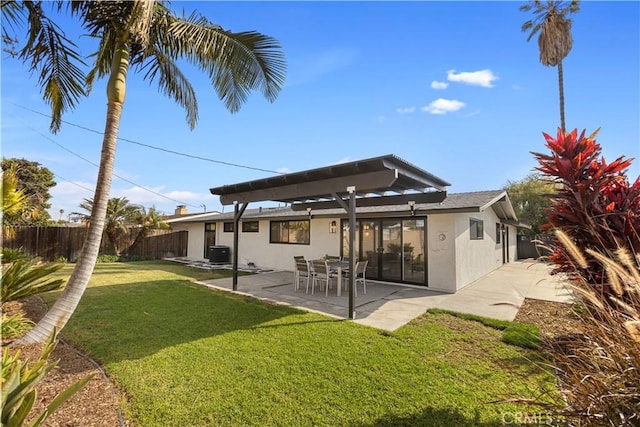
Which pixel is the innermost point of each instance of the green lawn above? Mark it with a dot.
(188, 356)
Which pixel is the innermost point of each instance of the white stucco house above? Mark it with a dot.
(443, 245)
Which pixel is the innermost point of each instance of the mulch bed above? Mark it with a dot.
(555, 319)
(96, 404)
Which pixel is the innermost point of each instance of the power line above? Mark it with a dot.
(178, 153)
(74, 183)
(98, 166)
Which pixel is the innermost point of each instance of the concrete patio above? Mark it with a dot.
(389, 306)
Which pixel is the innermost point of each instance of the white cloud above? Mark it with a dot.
(484, 78)
(439, 85)
(283, 170)
(443, 106)
(406, 110)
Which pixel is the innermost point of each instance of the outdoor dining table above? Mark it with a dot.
(338, 267)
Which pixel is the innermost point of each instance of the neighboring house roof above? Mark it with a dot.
(477, 201)
(196, 217)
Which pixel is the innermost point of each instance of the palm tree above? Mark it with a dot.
(554, 41)
(147, 221)
(120, 215)
(149, 38)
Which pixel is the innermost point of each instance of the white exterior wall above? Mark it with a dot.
(256, 248)
(441, 260)
(195, 240)
(476, 258)
(454, 260)
(513, 243)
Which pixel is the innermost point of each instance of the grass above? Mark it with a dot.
(520, 334)
(185, 355)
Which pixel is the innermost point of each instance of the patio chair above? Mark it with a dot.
(360, 276)
(322, 273)
(296, 276)
(303, 272)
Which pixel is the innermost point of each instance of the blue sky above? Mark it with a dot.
(452, 87)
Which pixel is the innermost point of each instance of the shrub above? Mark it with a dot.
(14, 326)
(595, 205)
(28, 277)
(599, 369)
(596, 219)
(19, 381)
(10, 255)
(108, 258)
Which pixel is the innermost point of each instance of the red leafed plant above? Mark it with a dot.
(595, 205)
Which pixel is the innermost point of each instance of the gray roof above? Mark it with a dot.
(476, 201)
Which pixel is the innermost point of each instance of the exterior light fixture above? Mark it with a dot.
(309, 213)
(333, 227)
(412, 207)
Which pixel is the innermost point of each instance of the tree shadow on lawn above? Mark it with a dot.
(432, 417)
(134, 320)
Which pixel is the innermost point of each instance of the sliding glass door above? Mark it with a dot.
(395, 248)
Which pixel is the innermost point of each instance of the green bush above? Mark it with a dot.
(19, 381)
(62, 259)
(10, 255)
(108, 258)
(14, 326)
(25, 277)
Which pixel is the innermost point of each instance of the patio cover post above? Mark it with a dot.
(237, 214)
(352, 253)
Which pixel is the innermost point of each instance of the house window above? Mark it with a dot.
(498, 233)
(292, 232)
(228, 227)
(250, 226)
(210, 226)
(476, 227)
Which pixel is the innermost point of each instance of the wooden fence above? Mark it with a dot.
(51, 243)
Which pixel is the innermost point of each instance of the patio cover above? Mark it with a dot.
(384, 180)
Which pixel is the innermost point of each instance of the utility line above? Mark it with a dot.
(74, 183)
(98, 166)
(192, 156)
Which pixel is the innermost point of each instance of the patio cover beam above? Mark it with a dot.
(403, 199)
(315, 189)
(348, 184)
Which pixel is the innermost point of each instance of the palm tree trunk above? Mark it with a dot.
(561, 90)
(58, 316)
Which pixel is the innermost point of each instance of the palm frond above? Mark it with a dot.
(55, 59)
(235, 62)
(552, 24)
(172, 82)
(102, 61)
(13, 14)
